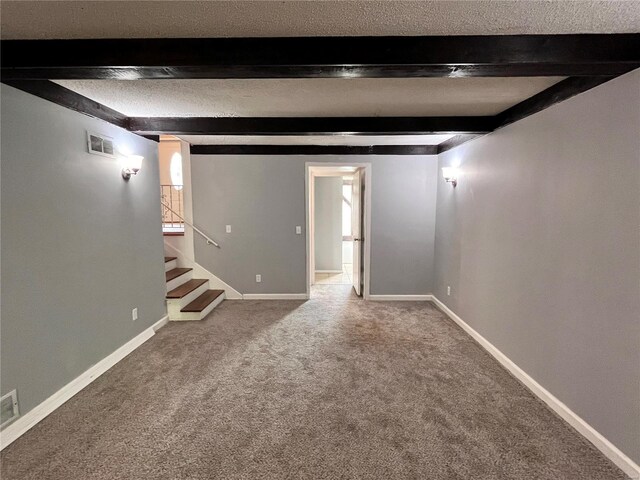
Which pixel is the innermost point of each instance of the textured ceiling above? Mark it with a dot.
(315, 139)
(130, 19)
(326, 97)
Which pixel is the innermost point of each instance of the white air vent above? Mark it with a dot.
(8, 408)
(100, 144)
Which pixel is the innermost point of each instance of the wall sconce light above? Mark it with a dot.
(450, 175)
(131, 165)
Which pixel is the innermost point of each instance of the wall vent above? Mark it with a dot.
(8, 408)
(100, 144)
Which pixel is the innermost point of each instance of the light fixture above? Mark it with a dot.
(450, 174)
(131, 165)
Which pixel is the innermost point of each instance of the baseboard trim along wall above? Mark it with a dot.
(614, 454)
(34, 416)
(275, 296)
(328, 271)
(401, 298)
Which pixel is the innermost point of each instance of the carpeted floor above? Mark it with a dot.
(331, 388)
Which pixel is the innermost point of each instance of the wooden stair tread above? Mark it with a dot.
(186, 288)
(168, 259)
(200, 303)
(175, 273)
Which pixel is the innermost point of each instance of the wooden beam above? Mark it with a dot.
(455, 141)
(556, 93)
(559, 92)
(311, 125)
(466, 128)
(314, 150)
(322, 57)
(69, 99)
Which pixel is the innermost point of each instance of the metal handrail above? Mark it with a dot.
(209, 240)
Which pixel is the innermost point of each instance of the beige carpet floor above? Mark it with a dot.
(331, 388)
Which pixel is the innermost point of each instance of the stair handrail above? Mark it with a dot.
(209, 240)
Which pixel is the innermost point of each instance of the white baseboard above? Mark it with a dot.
(275, 296)
(328, 271)
(160, 323)
(401, 298)
(32, 417)
(614, 454)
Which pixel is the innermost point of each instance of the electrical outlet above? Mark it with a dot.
(134, 314)
(228, 228)
(298, 230)
(448, 290)
(258, 278)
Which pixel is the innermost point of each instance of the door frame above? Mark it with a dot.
(308, 190)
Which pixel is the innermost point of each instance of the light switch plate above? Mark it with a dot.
(228, 228)
(134, 314)
(298, 230)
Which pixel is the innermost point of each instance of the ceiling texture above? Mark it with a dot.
(317, 97)
(190, 19)
(169, 98)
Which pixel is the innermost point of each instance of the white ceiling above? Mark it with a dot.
(322, 97)
(365, 140)
(147, 19)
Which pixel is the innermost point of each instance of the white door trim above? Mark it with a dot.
(309, 167)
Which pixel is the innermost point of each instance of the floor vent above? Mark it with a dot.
(100, 144)
(8, 408)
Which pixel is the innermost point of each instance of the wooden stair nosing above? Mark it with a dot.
(169, 259)
(200, 303)
(175, 273)
(186, 288)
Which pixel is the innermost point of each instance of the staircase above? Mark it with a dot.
(188, 298)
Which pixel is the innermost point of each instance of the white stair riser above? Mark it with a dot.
(170, 265)
(191, 316)
(175, 304)
(176, 282)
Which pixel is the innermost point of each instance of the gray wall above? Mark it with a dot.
(541, 247)
(328, 223)
(80, 247)
(262, 197)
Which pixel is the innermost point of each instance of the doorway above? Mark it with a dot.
(338, 226)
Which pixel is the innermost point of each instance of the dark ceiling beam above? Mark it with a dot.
(314, 150)
(455, 141)
(466, 128)
(322, 57)
(68, 98)
(311, 125)
(556, 93)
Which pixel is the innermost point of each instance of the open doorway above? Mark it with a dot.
(338, 217)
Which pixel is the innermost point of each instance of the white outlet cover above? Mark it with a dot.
(228, 228)
(298, 230)
(258, 278)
